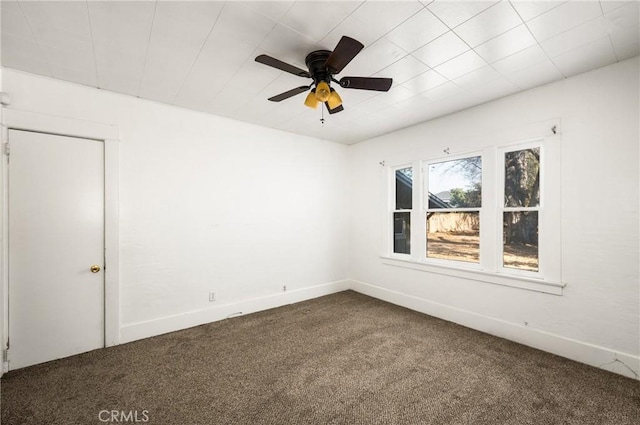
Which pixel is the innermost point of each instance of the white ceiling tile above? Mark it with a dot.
(374, 58)
(121, 32)
(75, 75)
(585, 58)
(82, 59)
(118, 80)
(461, 65)
(403, 70)
(311, 19)
(442, 91)
(536, 75)
(529, 9)
(122, 19)
(440, 50)
(425, 81)
(609, 5)
(220, 59)
(271, 9)
(397, 94)
(478, 77)
(579, 36)
(490, 91)
(69, 15)
(179, 33)
(242, 22)
(453, 13)
(506, 44)
(24, 55)
(372, 105)
(562, 18)
(62, 39)
(288, 46)
(362, 31)
(523, 59)
(386, 15)
(417, 31)
(488, 24)
(626, 43)
(14, 22)
(624, 17)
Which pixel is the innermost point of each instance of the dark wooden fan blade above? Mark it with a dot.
(334, 111)
(268, 60)
(288, 94)
(345, 51)
(366, 83)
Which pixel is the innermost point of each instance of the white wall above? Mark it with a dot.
(209, 204)
(599, 310)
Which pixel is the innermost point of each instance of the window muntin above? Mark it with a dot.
(454, 199)
(520, 216)
(403, 204)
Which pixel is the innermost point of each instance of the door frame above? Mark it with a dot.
(13, 119)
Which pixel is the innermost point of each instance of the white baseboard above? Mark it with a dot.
(149, 328)
(593, 355)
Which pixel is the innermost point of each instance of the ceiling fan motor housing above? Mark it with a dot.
(316, 62)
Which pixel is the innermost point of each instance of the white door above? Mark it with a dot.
(56, 235)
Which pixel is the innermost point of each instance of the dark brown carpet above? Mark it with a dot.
(340, 359)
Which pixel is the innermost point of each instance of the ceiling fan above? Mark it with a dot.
(323, 65)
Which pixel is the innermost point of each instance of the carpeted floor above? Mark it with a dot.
(340, 359)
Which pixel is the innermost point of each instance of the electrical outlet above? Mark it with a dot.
(212, 296)
(284, 288)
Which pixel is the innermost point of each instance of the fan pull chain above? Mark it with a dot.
(322, 117)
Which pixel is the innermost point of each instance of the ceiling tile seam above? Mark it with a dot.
(146, 53)
(338, 24)
(383, 35)
(394, 28)
(601, 8)
(195, 60)
(496, 36)
(224, 86)
(37, 41)
(537, 42)
(613, 49)
(558, 3)
(466, 20)
(253, 55)
(93, 46)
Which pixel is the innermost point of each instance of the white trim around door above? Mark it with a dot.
(109, 134)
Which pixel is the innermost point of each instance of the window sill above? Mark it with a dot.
(531, 284)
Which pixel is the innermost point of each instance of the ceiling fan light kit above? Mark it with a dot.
(322, 66)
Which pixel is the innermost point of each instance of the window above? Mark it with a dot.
(485, 215)
(402, 210)
(454, 199)
(520, 209)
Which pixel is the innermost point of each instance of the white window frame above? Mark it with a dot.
(501, 209)
(424, 208)
(393, 210)
(548, 278)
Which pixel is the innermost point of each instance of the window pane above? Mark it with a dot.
(404, 187)
(402, 232)
(456, 184)
(520, 238)
(522, 178)
(454, 236)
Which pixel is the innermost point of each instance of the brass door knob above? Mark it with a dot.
(95, 268)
